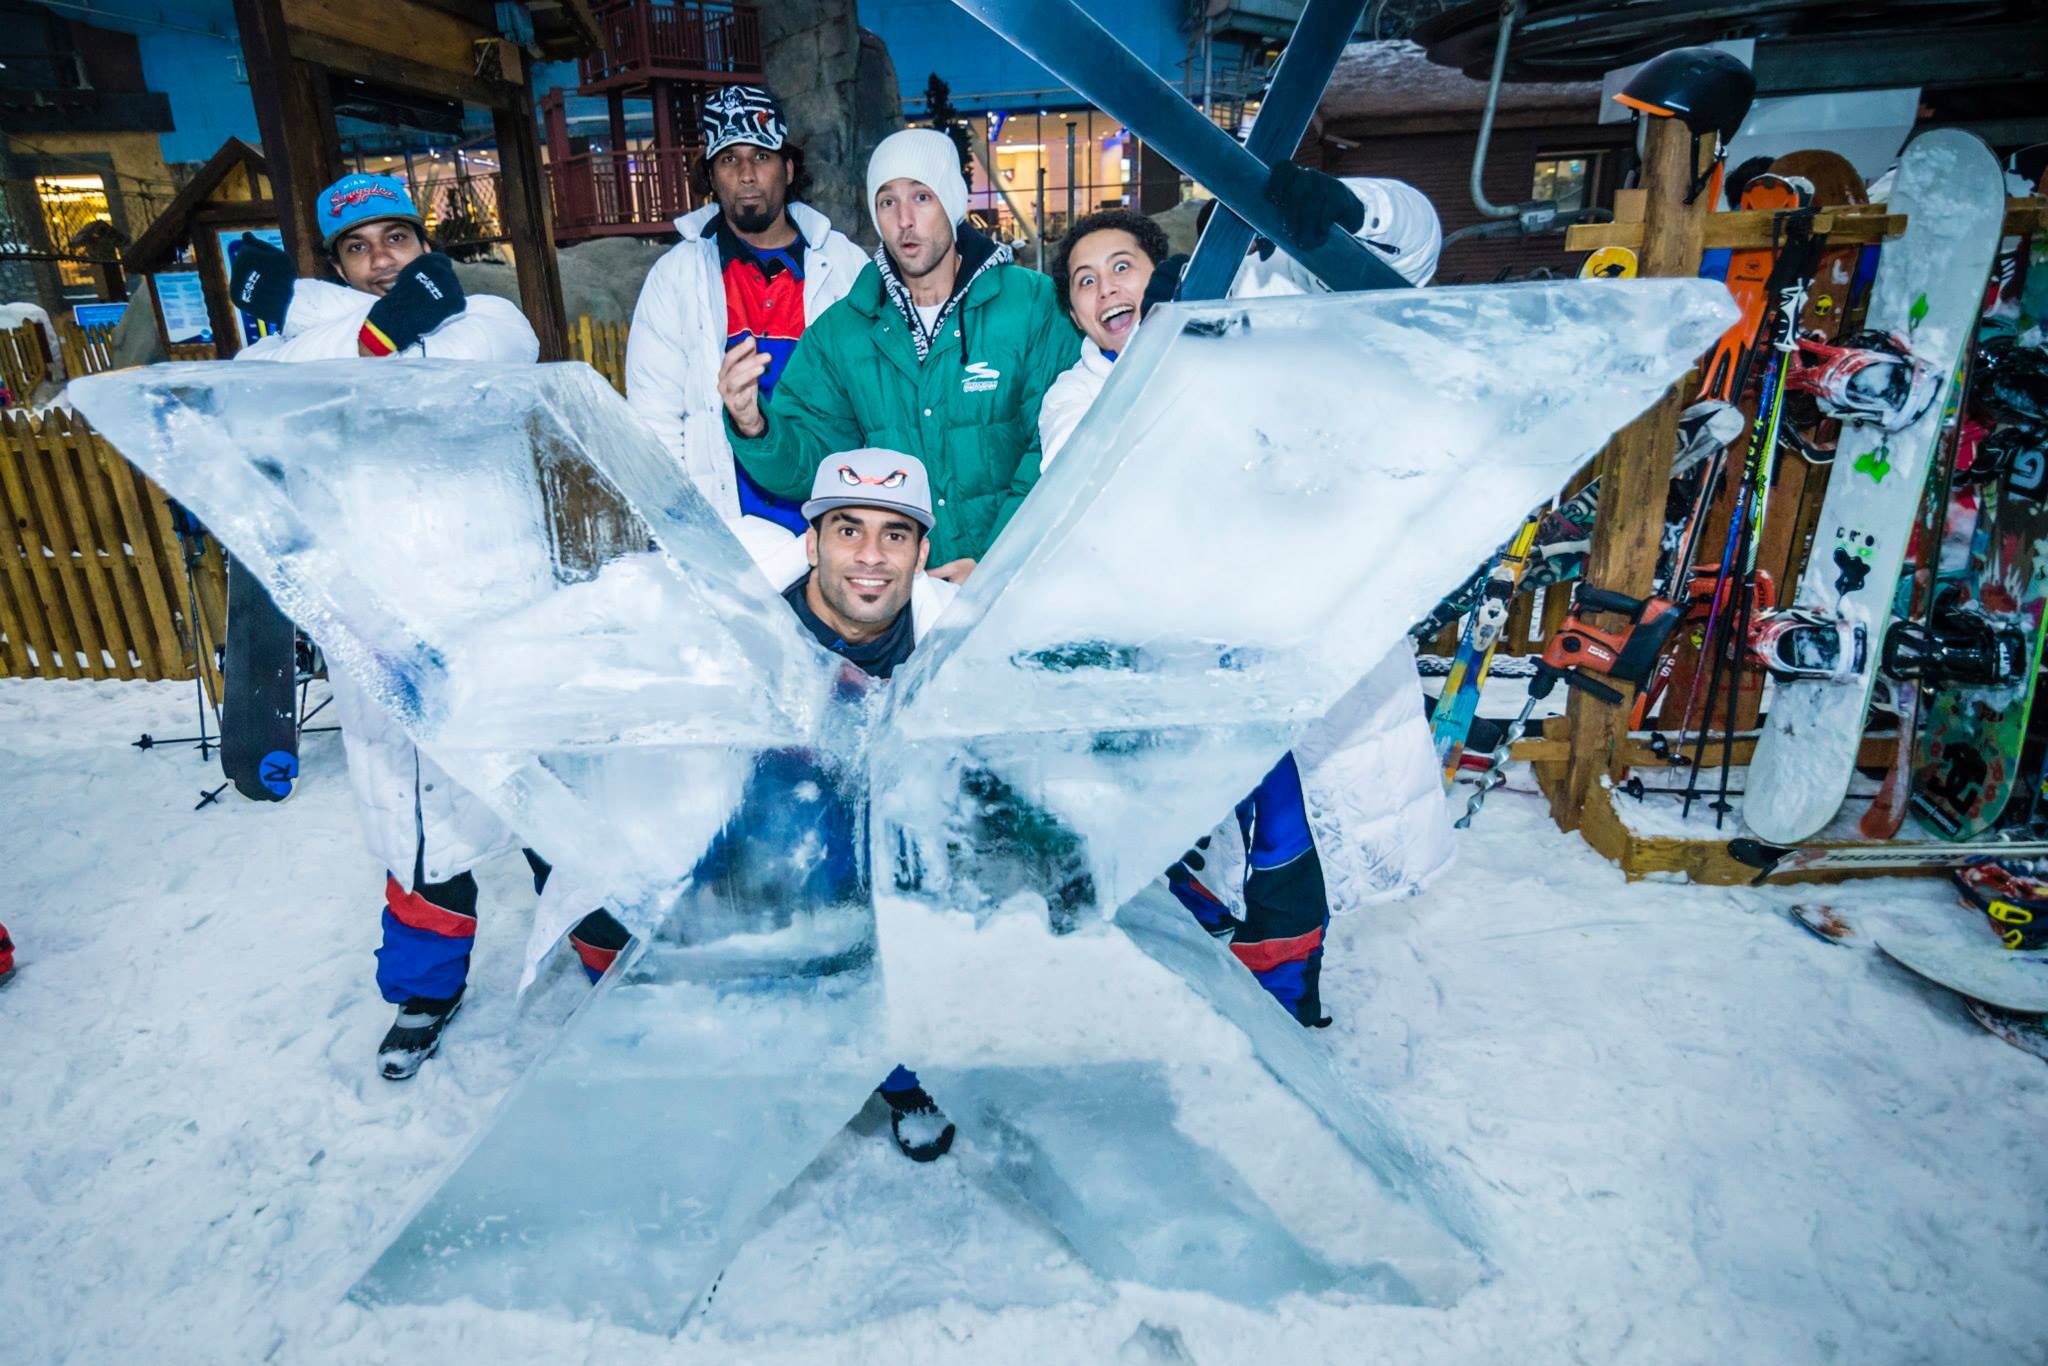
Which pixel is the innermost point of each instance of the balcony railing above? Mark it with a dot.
(703, 40)
(607, 193)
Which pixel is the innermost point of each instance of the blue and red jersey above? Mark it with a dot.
(764, 298)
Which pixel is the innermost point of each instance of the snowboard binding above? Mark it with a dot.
(1802, 643)
(1960, 648)
(1866, 377)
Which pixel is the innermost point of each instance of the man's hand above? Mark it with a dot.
(739, 385)
(1311, 203)
(261, 282)
(425, 295)
(954, 571)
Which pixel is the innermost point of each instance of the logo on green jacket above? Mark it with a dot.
(980, 377)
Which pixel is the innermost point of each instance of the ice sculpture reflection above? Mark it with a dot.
(565, 626)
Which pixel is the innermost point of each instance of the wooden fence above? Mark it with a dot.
(92, 577)
(24, 360)
(601, 346)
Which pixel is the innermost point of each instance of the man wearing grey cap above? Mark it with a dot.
(870, 516)
(943, 348)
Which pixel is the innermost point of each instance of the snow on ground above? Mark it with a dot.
(1700, 1133)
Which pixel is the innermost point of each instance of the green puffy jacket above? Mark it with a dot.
(855, 380)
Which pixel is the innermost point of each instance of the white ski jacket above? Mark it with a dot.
(1368, 769)
(409, 809)
(678, 342)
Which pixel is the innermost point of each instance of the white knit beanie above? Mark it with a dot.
(921, 154)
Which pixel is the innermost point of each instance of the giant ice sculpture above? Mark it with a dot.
(1264, 498)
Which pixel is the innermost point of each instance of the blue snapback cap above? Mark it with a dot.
(363, 198)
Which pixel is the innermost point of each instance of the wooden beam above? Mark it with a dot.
(300, 151)
(523, 211)
(1635, 467)
(1747, 228)
(403, 73)
(416, 33)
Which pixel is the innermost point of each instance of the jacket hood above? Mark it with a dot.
(813, 226)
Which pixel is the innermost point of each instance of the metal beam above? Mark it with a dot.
(1290, 102)
(1933, 60)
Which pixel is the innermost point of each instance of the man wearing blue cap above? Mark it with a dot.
(426, 830)
(399, 295)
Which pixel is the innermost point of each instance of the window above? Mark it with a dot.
(70, 204)
(1568, 178)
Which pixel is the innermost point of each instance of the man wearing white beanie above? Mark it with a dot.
(943, 349)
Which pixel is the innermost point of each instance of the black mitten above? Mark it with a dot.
(1165, 280)
(262, 279)
(425, 295)
(1311, 203)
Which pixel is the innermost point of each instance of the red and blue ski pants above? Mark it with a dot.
(430, 929)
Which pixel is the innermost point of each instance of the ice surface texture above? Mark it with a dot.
(1264, 499)
(1257, 508)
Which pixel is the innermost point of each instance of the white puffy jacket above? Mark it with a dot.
(678, 342)
(409, 809)
(1368, 769)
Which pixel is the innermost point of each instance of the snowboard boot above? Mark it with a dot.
(920, 1128)
(415, 1035)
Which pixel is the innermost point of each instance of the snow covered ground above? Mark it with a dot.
(1701, 1134)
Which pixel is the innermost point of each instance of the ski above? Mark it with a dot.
(1777, 860)
(2028, 1033)
(1451, 723)
(1928, 285)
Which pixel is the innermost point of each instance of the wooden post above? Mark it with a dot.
(1634, 468)
(523, 212)
(300, 148)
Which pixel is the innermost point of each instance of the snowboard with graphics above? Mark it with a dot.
(1968, 756)
(1929, 286)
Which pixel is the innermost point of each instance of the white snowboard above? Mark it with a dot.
(1984, 971)
(1929, 288)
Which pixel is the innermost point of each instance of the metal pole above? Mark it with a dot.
(1208, 67)
(1040, 211)
(1070, 175)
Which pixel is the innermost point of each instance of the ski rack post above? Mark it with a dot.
(1633, 469)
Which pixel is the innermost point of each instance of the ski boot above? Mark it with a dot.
(415, 1034)
(1801, 643)
(917, 1124)
(1867, 377)
(1960, 648)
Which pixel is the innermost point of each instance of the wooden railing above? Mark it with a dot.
(92, 576)
(690, 40)
(598, 193)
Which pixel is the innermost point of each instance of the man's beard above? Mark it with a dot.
(756, 220)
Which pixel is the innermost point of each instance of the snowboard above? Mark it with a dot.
(1929, 283)
(1987, 971)
(1609, 263)
(2028, 1033)
(1968, 754)
(259, 717)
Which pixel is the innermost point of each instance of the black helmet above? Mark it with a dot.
(1704, 87)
